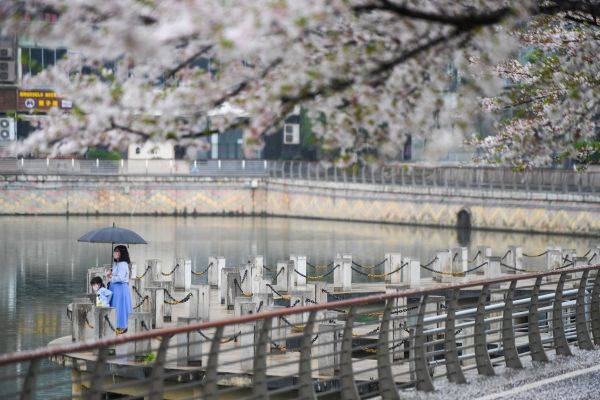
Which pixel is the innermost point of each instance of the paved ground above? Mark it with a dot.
(576, 377)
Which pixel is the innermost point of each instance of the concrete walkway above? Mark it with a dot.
(576, 377)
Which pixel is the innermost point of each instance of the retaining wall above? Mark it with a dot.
(188, 195)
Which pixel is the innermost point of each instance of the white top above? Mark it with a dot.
(120, 272)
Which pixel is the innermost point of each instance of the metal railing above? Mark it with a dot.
(443, 177)
(446, 177)
(155, 167)
(353, 348)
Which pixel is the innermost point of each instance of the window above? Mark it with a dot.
(35, 59)
(49, 57)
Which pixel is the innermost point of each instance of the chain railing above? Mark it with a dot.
(408, 175)
(351, 348)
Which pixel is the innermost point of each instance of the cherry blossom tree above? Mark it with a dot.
(369, 71)
(550, 109)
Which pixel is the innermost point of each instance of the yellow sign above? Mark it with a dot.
(37, 94)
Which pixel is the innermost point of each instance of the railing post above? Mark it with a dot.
(348, 390)
(482, 357)
(453, 371)
(424, 382)
(583, 334)
(158, 371)
(536, 346)
(595, 309)
(511, 356)
(210, 387)
(260, 389)
(387, 386)
(306, 390)
(28, 389)
(558, 328)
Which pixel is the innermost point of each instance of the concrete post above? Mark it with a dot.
(283, 276)
(199, 303)
(246, 272)
(183, 274)
(393, 261)
(155, 270)
(265, 298)
(82, 320)
(492, 269)
(233, 290)
(223, 282)
(247, 337)
(515, 258)
(320, 295)
(483, 253)
(137, 283)
(139, 322)
(189, 344)
(258, 262)
(328, 346)
(278, 333)
(104, 322)
(157, 301)
(569, 256)
(298, 299)
(553, 258)
(167, 308)
(342, 276)
(411, 273)
(468, 343)
(299, 264)
(218, 264)
(262, 286)
(146, 275)
(443, 264)
(256, 278)
(460, 259)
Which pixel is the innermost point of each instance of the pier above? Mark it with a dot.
(257, 329)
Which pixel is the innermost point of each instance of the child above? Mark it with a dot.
(103, 295)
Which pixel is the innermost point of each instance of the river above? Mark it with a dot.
(42, 266)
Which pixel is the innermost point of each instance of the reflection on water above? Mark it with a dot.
(42, 266)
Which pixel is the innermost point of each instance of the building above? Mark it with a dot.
(19, 57)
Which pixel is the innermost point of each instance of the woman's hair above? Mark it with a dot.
(97, 281)
(124, 253)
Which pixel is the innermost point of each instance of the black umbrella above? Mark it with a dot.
(112, 235)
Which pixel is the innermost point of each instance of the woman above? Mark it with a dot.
(119, 285)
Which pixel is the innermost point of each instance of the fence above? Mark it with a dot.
(361, 347)
(242, 168)
(477, 178)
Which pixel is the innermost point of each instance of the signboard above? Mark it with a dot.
(40, 100)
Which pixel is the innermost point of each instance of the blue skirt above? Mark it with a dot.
(121, 300)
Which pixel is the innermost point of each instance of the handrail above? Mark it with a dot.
(44, 352)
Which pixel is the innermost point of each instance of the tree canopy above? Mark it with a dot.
(369, 71)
